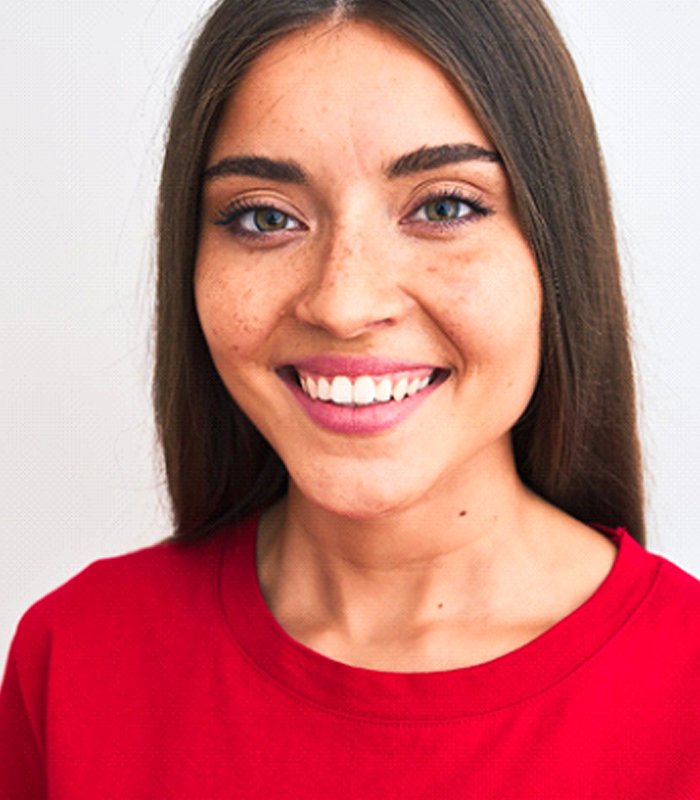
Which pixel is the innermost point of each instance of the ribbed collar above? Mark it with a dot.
(427, 696)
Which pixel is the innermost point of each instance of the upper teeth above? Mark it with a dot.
(363, 390)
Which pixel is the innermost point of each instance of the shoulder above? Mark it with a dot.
(655, 654)
(666, 585)
(666, 623)
(121, 591)
(671, 590)
(677, 589)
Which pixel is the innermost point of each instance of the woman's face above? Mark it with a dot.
(363, 285)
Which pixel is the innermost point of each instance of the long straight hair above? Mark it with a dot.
(577, 443)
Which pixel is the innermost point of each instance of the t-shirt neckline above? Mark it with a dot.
(426, 696)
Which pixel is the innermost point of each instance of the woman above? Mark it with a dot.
(394, 393)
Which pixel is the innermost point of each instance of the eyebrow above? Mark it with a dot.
(257, 167)
(420, 160)
(426, 158)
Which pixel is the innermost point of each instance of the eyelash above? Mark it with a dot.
(475, 204)
(231, 216)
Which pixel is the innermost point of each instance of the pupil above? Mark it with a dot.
(442, 209)
(269, 219)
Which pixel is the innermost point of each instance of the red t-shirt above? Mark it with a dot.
(161, 674)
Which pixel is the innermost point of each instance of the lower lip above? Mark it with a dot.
(358, 420)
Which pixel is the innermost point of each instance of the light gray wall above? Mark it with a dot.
(84, 95)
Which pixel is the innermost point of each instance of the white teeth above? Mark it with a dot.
(363, 391)
(324, 389)
(341, 390)
(400, 390)
(413, 386)
(383, 391)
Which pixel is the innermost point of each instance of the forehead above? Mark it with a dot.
(351, 89)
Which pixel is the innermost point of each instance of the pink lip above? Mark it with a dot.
(355, 366)
(360, 419)
(357, 419)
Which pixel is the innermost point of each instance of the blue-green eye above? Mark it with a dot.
(268, 219)
(255, 220)
(449, 209)
(263, 219)
(444, 209)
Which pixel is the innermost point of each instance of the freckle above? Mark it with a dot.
(439, 605)
(432, 269)
(462, 513)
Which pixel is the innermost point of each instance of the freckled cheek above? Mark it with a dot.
(235, 316)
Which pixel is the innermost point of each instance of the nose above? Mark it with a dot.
(354, 286)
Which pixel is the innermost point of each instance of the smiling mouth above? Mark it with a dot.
(363, 390)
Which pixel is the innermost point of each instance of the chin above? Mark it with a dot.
(359, 509)
(365, 497)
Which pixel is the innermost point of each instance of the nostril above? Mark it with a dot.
(348, 303)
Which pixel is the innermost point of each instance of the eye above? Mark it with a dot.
(244, 219)
(448, 209)
(444, 209)
(264, 220)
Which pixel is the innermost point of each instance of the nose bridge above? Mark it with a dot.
(347, 257)
(354, 285)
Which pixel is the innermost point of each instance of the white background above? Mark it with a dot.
(85, 87)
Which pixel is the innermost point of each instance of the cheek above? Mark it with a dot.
(236, 312)
(490, 307)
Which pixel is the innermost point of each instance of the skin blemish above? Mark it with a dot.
(462, 513)
(439, 605)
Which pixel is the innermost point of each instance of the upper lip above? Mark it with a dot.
(355, 366)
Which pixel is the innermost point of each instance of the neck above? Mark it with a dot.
(472, 520)
(472, 569)
(447, 550)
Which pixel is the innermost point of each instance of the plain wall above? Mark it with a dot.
(85, 87)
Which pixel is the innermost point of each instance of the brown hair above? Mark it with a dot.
(577, 443)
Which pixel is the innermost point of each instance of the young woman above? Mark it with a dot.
(394, 392)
